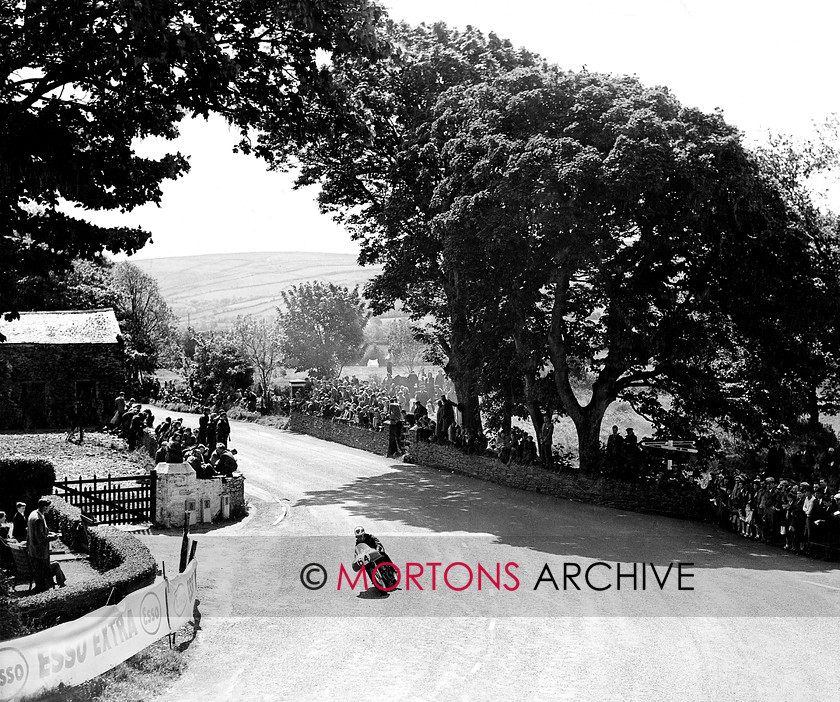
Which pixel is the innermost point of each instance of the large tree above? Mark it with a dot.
(81, 81)
(622, 236)
(374, 170)
(323, 326)
(147, 323)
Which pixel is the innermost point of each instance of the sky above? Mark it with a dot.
(767, 65)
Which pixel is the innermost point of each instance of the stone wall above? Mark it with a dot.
(573, 486)
(176, 484)
(581, 487)
(326, 429)
(55, 369)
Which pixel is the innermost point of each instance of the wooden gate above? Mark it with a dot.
(123, 500)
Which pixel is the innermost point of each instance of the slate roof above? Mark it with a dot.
(62, 327)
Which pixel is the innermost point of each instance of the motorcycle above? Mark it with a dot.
(386, 577)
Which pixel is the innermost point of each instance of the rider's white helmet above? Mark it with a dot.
(359, 531)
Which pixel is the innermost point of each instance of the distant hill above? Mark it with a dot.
(210, 290)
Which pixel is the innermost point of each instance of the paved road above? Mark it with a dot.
(758, 623)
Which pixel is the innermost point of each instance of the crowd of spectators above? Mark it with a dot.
(205, 449)
(802, 516)
(423, 402)
(129, 421)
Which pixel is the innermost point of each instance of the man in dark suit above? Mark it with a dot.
(38, 547)
(19, 523)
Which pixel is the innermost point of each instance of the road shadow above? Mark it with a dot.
(373, 594)
(196, 627)
(446, 502)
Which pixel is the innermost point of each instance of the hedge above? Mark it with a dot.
(125, 565)
(24, 480)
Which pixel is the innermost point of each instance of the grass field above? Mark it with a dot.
(210, 291)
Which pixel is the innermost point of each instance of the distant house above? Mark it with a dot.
(51, 359)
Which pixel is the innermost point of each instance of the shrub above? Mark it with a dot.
(242, 414)
(24, 480)
(10, 624)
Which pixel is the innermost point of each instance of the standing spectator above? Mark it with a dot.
(76, 421)
(119, 410)
(203, 421)
(19, 522)
(389, 362)
(445, 418)
(395, 428)
(615, 447)
(211, 429)
(38, 547)
(135, 431)
(631, 448)
(222, 429)
(505, 454)
(808, 504)
(162, 431)
(547, 438)
(829, 466)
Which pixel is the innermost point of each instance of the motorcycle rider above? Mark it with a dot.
(363, 537)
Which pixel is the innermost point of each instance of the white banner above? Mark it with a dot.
(77, 651)
(181, 597)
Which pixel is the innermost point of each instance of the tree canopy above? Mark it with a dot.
(261, 344)
(147, 323)
(323, 326)
(627, 238)
(82, 80)
(578, 223)
(374, 169)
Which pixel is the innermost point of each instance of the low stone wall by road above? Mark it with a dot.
(177, 486)
(355, 437)
(582, 487)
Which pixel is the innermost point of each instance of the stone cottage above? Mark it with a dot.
(51, 359)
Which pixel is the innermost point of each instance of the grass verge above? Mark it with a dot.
(138, 679)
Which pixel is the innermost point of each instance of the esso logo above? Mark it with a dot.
(151, 613)
(14, 671)
(180, 598)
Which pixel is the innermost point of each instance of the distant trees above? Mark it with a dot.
(215, 364)
(323, 326)
(261, 344)
(407, 349)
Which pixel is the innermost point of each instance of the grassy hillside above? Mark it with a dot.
(209, 291)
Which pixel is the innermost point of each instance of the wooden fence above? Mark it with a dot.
(122, 500)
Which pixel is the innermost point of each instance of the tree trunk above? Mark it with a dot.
(535, 413)
(589, 440)
(463, 369)
(507, 407)
(467, 392)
